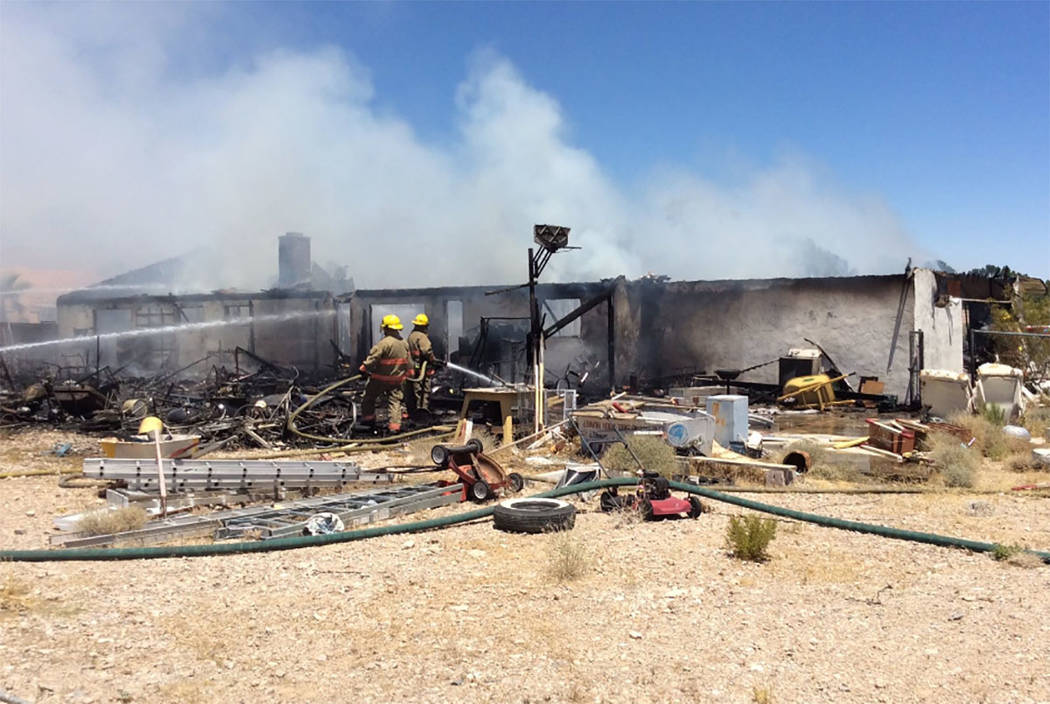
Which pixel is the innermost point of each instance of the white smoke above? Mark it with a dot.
(113, 158)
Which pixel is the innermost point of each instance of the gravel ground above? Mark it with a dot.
(660, 612)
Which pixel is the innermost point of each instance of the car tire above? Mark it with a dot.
(534, 515)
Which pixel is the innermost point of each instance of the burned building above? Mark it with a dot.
(141, 324)
(648, 332)
(287, 327)
(654, 332)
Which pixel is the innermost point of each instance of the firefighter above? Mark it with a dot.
(422, 351)
(388, 366)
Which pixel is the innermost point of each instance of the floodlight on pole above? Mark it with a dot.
(551, 239)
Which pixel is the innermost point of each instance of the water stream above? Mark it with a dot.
(472, 373)
(168, 329)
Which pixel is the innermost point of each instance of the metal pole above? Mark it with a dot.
(533, 310)
(900, 314)
(535, 345)
(973, 355)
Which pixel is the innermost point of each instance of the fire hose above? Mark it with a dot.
(310, 402)
(353, 447)
(100, 554)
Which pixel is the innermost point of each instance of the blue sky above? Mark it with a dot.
(934, 115)
(943, 108)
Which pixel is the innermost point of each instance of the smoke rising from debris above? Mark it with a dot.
(114, 160)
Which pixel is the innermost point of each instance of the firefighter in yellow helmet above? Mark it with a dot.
(422, 351)
(388, 366)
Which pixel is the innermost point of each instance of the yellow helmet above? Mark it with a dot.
(392, 321)
(421, 319)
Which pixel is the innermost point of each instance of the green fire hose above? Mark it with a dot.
(98, 554)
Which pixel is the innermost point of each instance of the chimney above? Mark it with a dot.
(293, 260)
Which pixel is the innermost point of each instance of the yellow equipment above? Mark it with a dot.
(151, 424)
(809, 391)
(392, 321)
(421, 319)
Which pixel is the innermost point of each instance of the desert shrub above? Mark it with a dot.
(978, 426)
(1002, 552)
(994, 414)
(108, 521)
(762, 695)
(1036, 420)
(989, 439)
(957, 463)
(14, 594)
(651, 450)
(748, 537)
(567, 557)
(1021, 462)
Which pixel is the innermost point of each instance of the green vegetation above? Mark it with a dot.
(1002, 552)
(958, 464)
(989, 439)
(748, 537)
(1036, 420)
(568, 558)
(1030, 305)
(651, 450)
(994, 414)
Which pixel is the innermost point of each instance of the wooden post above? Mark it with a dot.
(160, 476)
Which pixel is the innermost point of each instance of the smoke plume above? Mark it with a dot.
(116, 155)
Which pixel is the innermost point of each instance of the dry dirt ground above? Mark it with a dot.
(660, 612)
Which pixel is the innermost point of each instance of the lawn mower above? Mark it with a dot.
(482, 477)
(652, 500)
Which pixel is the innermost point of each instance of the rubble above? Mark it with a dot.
(268, 408)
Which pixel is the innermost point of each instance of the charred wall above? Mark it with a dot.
(507, 314)
(300, 338)
(676, 328)
(661, 329)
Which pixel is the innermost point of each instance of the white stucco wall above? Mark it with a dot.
(942, 326)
